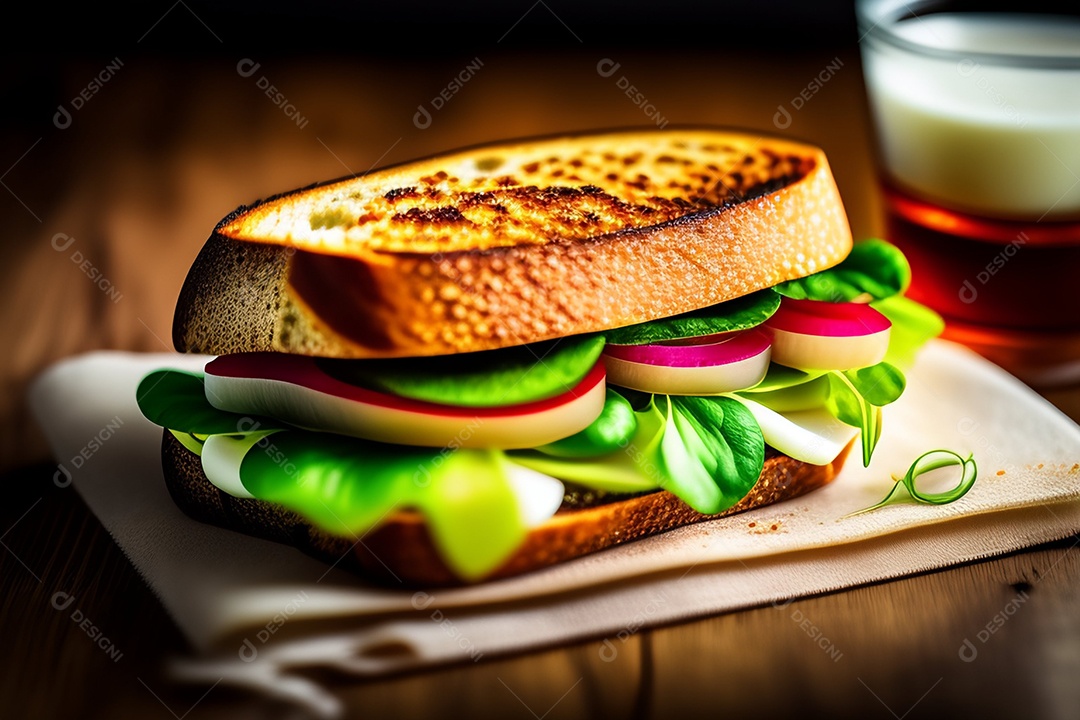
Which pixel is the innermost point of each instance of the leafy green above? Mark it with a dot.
(611, 430)
(745, 312)
(804, 396)
(472, 512)
(349, 486)
(927, 462)
(780, 377)
(194, 443)
(176, 399)
(848, 406)
(873, 268)
(913, 325)
(712, 451)
(604, 455)
(857, 396)
(689, 463)
(635, 467)
(492, 378)
(854, 397)
(708, 451)
(880, 384)
(343, 485)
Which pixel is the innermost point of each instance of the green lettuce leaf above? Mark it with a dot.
(913, 325)
(634, 467)
(854, 397)
(472, 512)
(848, 406)
(689, 463)
(781, 377)
(792, 398)
(492, 378)
(712, 450)
(176, 399)
(349, 486)
(611, 430)
(857, 396)
(745, 312)
(873, 268)
(708, 451)
(880, 384)
(194, 443)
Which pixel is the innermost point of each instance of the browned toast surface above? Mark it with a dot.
(529, 193)
(514, 243)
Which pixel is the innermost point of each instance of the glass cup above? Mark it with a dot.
(977, 117)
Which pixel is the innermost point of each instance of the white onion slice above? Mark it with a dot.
(812, 436)
(539, 496)
(221, 458)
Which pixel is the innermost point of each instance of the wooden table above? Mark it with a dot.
(167, 147)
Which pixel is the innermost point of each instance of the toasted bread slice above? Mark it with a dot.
(513, 243)
(401, 550)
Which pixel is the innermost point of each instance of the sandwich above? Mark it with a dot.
(483, 363)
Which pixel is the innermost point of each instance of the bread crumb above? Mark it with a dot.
(775, 526)
(1039, 466)
(1000, 472)
(1075, 467)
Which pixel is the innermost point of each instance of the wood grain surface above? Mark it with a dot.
(168, 147)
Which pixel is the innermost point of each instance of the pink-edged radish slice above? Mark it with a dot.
(293, 389)
(715, 364)
(816, 335)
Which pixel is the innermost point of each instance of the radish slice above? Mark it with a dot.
(715, 364)
(816, 335)
(294, 389)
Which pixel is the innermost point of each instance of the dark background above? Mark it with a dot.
(55, 43)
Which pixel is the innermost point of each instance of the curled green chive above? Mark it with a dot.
(928, 462)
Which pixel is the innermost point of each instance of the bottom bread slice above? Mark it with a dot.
(401, 549)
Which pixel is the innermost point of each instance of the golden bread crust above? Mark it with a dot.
(564, 236)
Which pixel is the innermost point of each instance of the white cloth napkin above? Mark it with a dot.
(257, 610)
